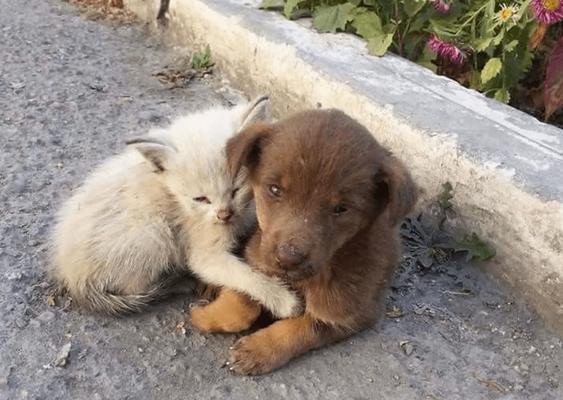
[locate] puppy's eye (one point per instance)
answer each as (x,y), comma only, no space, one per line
(234,192)
(340,209)
(202,199)
(275,190)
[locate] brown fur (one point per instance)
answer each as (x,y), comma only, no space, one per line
(340,261)
(230,312)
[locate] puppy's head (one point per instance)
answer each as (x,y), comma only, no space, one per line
(319,178)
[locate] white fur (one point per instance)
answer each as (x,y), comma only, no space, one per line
(135,219)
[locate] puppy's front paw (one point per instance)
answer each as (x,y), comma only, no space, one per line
(202,320)
(252,355)
(225,315)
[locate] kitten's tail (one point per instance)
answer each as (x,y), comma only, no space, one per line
(98,299)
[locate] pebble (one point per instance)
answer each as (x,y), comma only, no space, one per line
(34,323)
(46,316)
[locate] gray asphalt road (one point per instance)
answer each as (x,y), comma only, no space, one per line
(71,91)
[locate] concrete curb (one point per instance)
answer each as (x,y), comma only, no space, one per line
(505,166)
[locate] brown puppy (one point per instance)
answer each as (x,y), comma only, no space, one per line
(328,200)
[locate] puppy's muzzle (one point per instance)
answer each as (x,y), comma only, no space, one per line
(293,261)
(289,256)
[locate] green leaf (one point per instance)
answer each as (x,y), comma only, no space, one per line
(475,80)
(491,69)
(475,248)
(367,25)
(502,95)
(498,38)
(378,45)
(446,195)
(511,46)
(426,59)
(272,5)
(482,44)
(428,64)
(290,6)
(412,7)
(332,18)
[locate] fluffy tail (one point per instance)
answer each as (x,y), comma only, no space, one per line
(98,299)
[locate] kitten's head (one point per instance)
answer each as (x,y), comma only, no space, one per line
(190,158)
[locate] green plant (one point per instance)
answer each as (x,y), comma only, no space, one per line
(484,44)
(201,60)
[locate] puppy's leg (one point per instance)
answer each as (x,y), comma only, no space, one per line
(272,347)
(230,312)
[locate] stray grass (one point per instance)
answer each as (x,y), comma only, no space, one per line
(202,60)
(181,73)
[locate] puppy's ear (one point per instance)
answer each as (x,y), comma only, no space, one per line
(157,152)
(257,110)
(244,149)
(395,189)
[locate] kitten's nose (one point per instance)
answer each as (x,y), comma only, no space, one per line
(225,215)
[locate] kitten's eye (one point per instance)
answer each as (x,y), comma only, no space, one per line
(340,209)
(202,199)
(275,190)
(233,194)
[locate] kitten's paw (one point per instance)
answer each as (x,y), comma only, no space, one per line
(288,305)
(253,355)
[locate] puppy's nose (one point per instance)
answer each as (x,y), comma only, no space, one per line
(225,215)
(288,255)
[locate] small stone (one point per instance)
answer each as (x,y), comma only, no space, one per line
(282,390)
(21,323)
(34,323)
(83,354)
(407,347)
(62,357)
(46,316)
(14,276)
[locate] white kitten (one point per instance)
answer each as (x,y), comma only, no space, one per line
(168,201)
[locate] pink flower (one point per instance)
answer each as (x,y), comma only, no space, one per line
(441,6)
(446,50)
(547,11)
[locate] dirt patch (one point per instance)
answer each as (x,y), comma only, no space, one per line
(104,9)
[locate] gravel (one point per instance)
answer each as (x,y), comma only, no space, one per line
(71,91)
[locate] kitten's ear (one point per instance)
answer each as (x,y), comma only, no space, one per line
(157,152)
(244,149)
(395,189)
(258,110)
